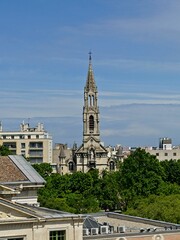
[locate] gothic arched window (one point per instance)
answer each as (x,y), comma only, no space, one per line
(92,100)
(91,123)
(89,100)
(71,166)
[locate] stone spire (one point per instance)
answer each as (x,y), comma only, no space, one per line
(91,154)
(91,109)
(90,83)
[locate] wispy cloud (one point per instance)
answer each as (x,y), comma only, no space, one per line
(133,129)
(150,28)
(44,103)
(70,102)
(145,65)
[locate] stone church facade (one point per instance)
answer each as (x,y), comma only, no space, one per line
(91,154)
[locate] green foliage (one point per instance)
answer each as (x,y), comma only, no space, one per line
(82,204)
(110,195)
(141,175)
(166,188)
(80,182)
(142,186)
(82,192)
(44,169)
(4,151)
(56,203)
(172,171)
(164,208)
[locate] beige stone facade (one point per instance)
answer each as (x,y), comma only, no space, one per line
(35,144)
(23,222)
(164,154)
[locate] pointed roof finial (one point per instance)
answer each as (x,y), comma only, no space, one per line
(90,53)
(90,83)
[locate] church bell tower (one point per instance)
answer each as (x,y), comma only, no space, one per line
(91,154)
(90,109)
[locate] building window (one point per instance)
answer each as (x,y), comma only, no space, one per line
(89,100)
(35,153)
(91,123)
(166,154)
(157,154)
(37,136)
(10,145)
(92,100)
(111,166)
(22,145)
(71,166)
(174,154)
(23,153)
(57,235)
(36,144)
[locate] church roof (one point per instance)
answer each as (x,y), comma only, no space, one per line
(90,83)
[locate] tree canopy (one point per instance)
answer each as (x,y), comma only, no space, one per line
(4,151)
(164,208)
(44,169)
(141,184)
(141,175)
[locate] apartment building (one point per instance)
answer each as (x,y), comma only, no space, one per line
(165,151)
(35,144)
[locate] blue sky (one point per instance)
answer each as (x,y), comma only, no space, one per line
(135,46)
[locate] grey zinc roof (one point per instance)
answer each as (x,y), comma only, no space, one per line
(50,213)
(27,169)
(90,222)
(37,212)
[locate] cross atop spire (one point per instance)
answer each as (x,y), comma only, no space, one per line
(90,53)
(90,83)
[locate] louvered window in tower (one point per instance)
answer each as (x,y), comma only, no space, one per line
(92,100)
(89,100)
(91,123)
